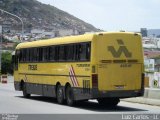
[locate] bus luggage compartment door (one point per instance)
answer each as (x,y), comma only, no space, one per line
(122,76)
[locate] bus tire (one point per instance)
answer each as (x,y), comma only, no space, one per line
(60,94)
(24,90)
(108,102)
(69,96)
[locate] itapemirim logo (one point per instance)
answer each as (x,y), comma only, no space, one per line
(122,49)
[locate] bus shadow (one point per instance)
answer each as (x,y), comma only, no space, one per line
(96,107)
(87,105)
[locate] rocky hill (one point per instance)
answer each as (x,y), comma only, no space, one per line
(42,16)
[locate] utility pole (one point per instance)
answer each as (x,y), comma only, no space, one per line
(3,11)
(0,46)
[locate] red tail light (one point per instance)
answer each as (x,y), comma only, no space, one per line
(94,81)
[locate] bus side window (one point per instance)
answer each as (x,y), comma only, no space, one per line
(22,51)
(56,56)
(35,54)
(77,52)
(20,56)
(84,52)
(52,53)
(88,51)
(70,56)
(25,55)
(65,52)
(45,54)
(40,52)
(49,49)
(31,54)
(61,53)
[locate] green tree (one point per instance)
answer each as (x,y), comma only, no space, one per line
(6,63)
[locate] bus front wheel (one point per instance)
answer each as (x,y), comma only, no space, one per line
(24,90)
(69,96)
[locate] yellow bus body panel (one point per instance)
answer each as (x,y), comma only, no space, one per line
(51,73)
(121,67)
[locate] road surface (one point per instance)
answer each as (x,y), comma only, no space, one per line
(11,101)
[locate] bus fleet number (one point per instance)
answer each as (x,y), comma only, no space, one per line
(32,67)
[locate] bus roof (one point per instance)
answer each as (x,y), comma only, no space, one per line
(64,40)
(55,41)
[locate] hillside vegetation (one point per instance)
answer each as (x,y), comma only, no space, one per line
(38,15)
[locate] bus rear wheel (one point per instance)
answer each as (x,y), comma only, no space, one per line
(69,96)
(60,94)
(24,90)
(108,102)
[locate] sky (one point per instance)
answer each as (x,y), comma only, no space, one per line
(113,15)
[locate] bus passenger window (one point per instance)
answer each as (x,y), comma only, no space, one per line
(35,54)
(88,51)
(52,53)
(31,54)
(20,57)
(24,55)
(62,53)
(83,52)
(77,52)
(70,53)
(27,55)
(40,52)
(56,56)
(45,54)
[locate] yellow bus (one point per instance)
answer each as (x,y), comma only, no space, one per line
(105,66)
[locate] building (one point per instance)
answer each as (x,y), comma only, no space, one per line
(6,26)
(37,31)
(144,32)
(151,42)
(67,32)
(151,54)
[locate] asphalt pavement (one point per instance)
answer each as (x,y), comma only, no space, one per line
(13,106)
